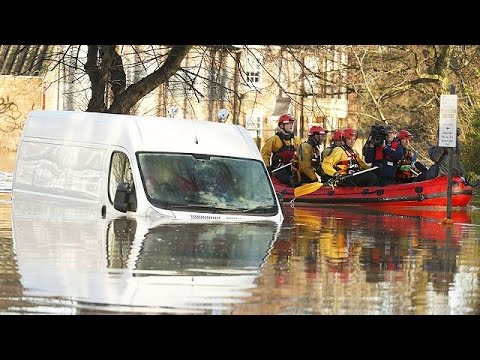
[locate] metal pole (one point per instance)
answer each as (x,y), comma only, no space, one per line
(449,172)
(449,186)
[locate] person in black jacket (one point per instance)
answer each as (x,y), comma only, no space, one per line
(391,154)
(439,155)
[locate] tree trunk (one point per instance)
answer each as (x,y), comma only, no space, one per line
(128,98)
(97,101)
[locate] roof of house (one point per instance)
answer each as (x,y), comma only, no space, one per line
(24,60)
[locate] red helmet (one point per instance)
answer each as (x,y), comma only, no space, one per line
(285,118)
(404,134)
(337,135)
(350,133)
(316,130)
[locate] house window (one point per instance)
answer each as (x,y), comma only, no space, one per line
(253,76)
(181,84)
(253,69)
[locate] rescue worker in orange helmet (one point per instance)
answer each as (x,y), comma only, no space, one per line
(279,149)
(306,161)
(344,160)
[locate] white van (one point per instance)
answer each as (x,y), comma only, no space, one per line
(156,167)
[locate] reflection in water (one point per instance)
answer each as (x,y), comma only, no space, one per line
(357,261)
(6,182)
(203,248)
(321,261)
(222,248)
(122,265)
(10,286)
(190,248)
(120,237)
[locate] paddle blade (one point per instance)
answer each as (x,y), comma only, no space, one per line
(306,189)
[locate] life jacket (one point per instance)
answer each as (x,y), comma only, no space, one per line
(348,166)
(285,154)
(394,146)
(372,154)
(408,157)
(404,175)
(297,156)
(316,161)
(295,166)
(326,152)
(378,153)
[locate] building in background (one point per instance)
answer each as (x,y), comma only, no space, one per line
(256,84)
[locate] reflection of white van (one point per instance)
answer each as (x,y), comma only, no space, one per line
(82,265)
(148,166)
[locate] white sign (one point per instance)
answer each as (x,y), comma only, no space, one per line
(448,121)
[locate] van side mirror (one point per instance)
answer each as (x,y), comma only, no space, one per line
(125,198)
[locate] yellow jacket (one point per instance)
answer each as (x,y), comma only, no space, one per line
(327,151)
(305,154)
(272,145)
(335,159)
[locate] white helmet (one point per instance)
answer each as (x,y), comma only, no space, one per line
(223,115)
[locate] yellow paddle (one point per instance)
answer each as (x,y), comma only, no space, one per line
(306,189)
(311,187)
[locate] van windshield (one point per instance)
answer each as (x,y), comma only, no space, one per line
(206,183)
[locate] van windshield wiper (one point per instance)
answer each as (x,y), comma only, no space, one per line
(203,206)
(258,208)
(223,208)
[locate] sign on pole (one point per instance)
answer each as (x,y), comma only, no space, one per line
(448,121)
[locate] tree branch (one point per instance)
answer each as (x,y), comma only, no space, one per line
(128,98)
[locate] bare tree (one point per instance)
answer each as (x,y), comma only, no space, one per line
(105,69)
(403,84)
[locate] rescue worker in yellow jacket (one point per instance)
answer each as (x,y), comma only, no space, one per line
(335,140)
(344,160)
(306,161)
(279,149)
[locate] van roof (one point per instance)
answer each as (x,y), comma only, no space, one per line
(142,133)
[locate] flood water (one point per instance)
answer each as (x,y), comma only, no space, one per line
(318,261)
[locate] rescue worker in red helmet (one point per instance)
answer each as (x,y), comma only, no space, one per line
(407,164)
(344,160)
(335,140)
(391,154)
(306,161)
(279,149)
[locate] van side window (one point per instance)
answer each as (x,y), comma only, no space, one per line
(120,172)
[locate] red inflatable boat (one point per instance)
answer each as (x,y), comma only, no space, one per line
(431,192)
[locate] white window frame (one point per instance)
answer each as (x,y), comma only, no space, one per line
(253,69)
